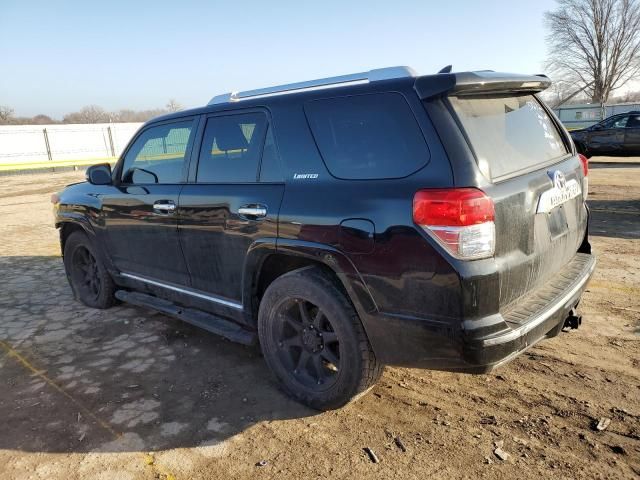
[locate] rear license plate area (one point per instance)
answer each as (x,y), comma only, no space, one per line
(558,222)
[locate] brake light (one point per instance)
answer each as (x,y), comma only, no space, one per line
(585,180)
(460,219)
(585,164)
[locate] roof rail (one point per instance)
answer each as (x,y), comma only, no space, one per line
(354,78)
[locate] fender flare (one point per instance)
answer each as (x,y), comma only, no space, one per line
(326,255)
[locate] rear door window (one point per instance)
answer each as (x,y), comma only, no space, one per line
(508,133)
(634,121)
(371,136)
(231,148)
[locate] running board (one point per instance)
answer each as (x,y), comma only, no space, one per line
(204,320)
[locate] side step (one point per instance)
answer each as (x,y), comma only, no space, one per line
(207,321)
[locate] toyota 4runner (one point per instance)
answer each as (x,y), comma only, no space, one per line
(380,218)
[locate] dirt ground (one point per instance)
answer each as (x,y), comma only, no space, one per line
(128,394)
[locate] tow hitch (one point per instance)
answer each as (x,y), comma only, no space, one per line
(573,321)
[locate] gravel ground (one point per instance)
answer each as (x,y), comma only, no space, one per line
(129,394)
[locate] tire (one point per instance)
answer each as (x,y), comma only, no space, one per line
(90,282)
(313,341)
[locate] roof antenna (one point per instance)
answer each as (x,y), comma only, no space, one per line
(446,69)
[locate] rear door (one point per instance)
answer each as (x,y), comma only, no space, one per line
(536,185)
(231,201)
(632,135)
(140,213)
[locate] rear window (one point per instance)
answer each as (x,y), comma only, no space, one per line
(508,133)
(367,136)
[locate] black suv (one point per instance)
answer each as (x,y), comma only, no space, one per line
(347,223)
(616,135)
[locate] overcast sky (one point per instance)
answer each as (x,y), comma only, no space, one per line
(57,56)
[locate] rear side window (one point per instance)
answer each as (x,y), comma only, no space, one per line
(634,121)
(231,148)
(367,136)
(508,133)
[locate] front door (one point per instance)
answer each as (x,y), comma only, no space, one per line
(609,137)
(140,214)
(231,201)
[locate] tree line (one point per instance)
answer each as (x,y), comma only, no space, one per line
(88,114)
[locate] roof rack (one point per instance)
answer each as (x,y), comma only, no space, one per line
(342,80)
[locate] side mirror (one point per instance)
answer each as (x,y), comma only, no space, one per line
(99,174)
(597,126)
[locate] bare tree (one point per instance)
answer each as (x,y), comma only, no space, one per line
(6,114)
(595,44)
(42,119)
(173,105)
(89,114)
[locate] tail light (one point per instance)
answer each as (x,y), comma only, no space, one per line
(460,219)
(585,164)
(585,180)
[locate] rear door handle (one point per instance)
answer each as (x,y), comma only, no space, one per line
(253,211)
(164,207)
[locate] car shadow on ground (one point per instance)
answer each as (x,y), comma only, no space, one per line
(77,379)
(614,218)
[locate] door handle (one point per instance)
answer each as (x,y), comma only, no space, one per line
(164,206)
(256,211)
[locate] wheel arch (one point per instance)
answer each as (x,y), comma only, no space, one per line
(266,262)
(69,225)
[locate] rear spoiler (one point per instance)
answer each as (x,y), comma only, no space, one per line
(478,83)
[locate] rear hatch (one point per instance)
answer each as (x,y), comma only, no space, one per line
(520,156)
(535,182)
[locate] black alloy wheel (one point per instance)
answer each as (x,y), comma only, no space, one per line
(85,274)
(313,340)
(309,346)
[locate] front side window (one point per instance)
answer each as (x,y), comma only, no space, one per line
(231,148)
(617,122)
(509,133)
(372,136)
(158,154)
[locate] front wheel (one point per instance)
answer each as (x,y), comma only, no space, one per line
(314,342)
(88,277)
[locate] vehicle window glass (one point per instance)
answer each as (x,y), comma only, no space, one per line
(508,133)
(231,148)
(634,121)
(367,136)
(616,122)
(270,170)
(158,154)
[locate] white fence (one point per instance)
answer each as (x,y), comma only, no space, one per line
(21,145)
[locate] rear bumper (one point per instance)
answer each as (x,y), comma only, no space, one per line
(538,316)
(439,345)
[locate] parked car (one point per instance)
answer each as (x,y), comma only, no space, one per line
(616,135)
(348,223)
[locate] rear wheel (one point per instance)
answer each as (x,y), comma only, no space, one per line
(88,277)
(314,342)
